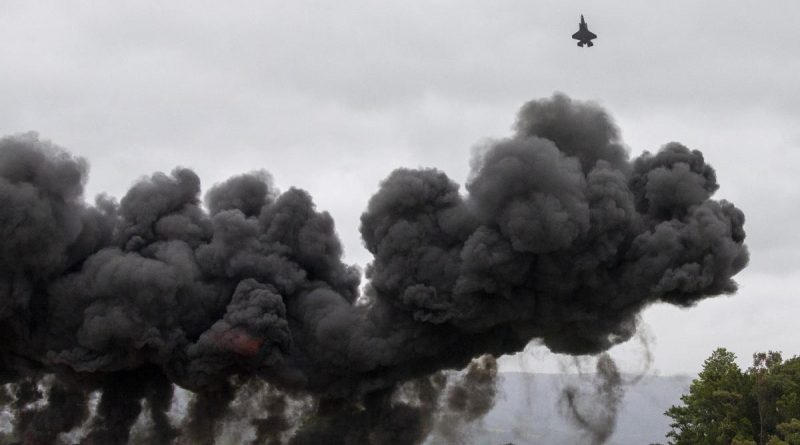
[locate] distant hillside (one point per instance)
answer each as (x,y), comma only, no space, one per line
(527,411)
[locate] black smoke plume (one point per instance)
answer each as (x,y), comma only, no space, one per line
(559,237)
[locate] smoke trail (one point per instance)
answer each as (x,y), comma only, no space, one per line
(205,413)
(597,413)
(468,399)
(559,237)
(66,408)
(270,430)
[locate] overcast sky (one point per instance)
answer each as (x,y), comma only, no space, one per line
(330,96)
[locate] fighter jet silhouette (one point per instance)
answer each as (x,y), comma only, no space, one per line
(584,36)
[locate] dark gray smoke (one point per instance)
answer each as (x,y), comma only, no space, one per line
(559,237)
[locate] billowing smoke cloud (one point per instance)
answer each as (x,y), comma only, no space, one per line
(559,237)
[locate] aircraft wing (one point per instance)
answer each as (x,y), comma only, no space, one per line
(584,35)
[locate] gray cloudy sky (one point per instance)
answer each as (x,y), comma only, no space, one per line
(331,96)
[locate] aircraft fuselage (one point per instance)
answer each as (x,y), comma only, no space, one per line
(584,36)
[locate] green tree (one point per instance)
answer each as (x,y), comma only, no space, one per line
(790,432)
(726,406)
(714,411)
(767,389)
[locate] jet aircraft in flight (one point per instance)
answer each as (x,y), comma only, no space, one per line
(584,36)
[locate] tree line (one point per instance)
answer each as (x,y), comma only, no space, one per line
(726,405)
